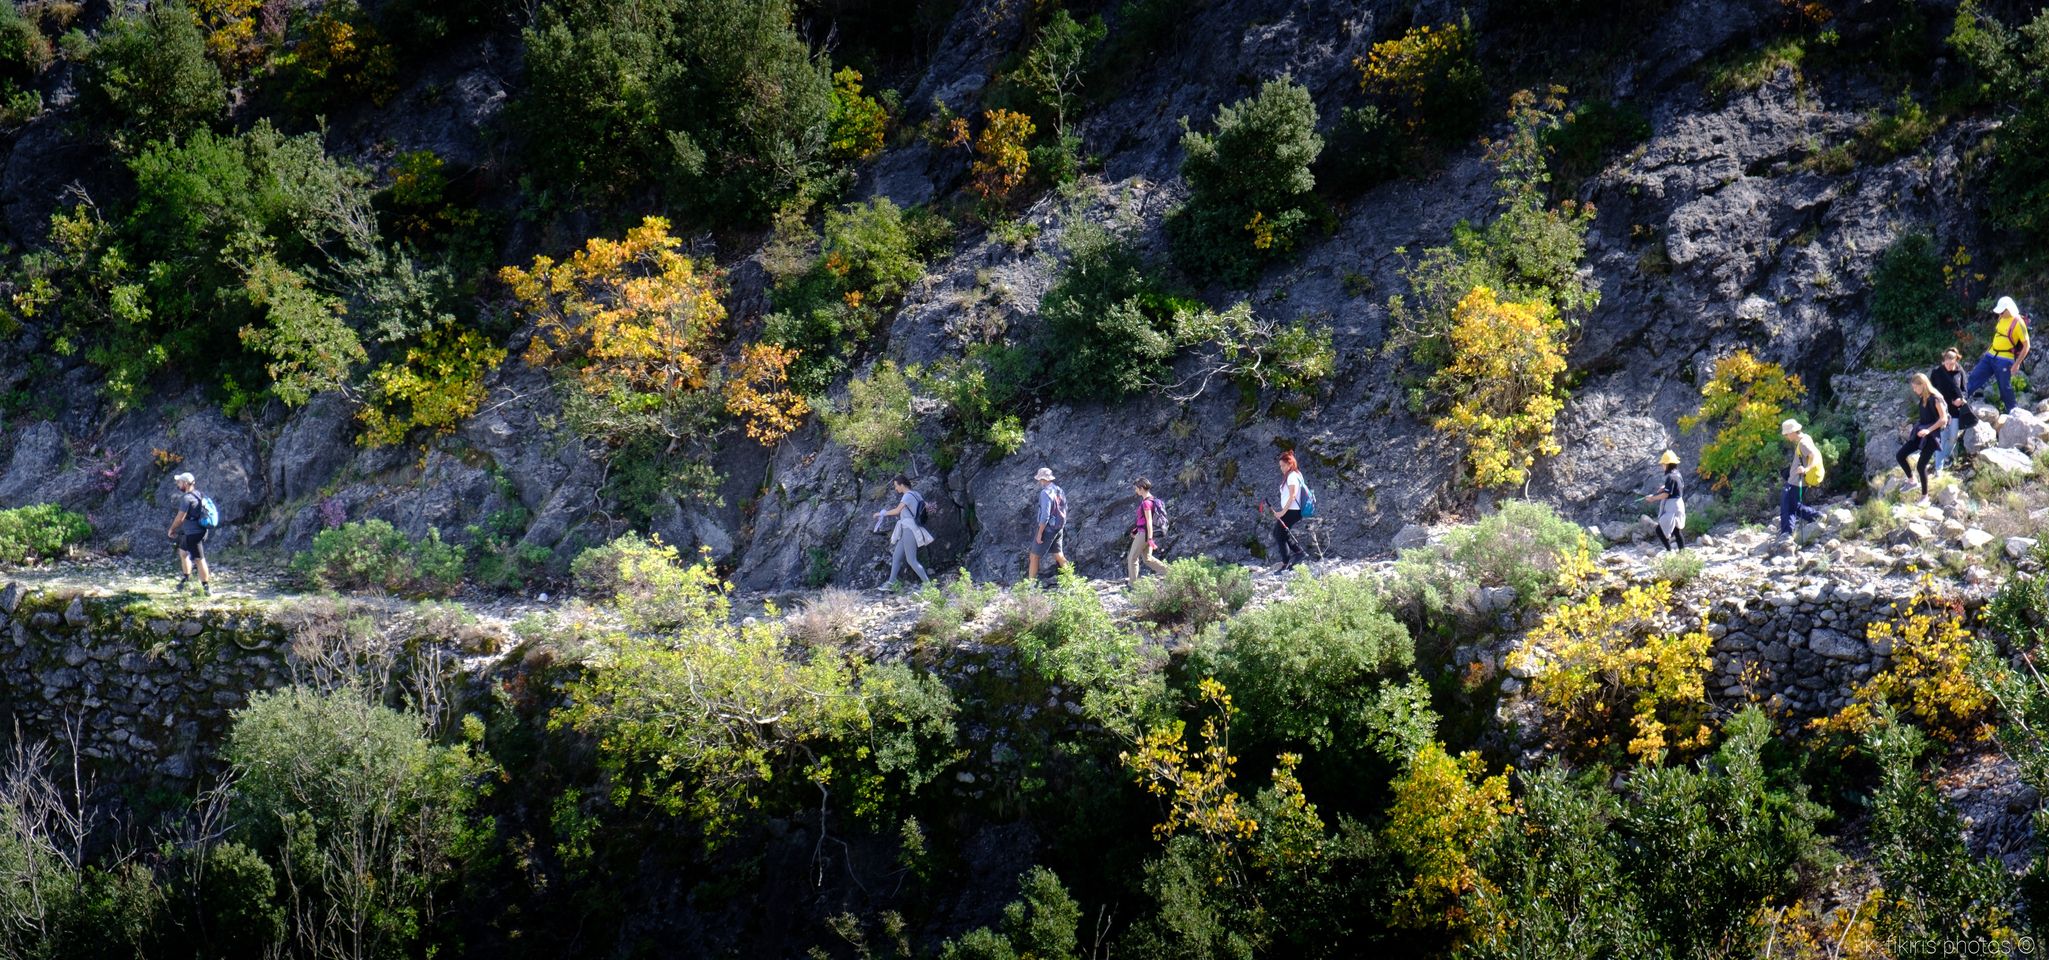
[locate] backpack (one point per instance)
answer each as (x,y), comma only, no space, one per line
(922,513)
(209,515)
(1308,501)
(1059,518)
(1159,512)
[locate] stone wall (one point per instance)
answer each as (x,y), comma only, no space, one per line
(142,690)
(1804,645)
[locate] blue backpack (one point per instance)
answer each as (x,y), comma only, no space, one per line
(1308,501)
(209,515)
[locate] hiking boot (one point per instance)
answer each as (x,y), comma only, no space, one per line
(206,588)
(184,584)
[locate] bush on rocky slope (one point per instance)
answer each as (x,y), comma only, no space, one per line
(39,532)
(1249,184)
(373,556)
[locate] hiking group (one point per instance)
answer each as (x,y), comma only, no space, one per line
(1047,545)
(1942,396)
(1942,400)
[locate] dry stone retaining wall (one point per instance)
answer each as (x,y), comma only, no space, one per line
(139,690)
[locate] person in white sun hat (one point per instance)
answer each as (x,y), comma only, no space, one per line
(1049,528)
(1804,470)
(2009,350)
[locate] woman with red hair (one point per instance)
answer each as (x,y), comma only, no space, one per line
(1289,511)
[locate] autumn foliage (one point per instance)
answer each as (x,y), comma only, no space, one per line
(1001,160)
(1744,400)
(1506,361)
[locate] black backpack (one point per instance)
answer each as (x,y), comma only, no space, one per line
(922,512)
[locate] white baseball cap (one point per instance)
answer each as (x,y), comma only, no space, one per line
(2007,306)
(1045,473)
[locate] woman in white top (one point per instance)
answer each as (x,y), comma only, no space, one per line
(1289,512)
(908,535)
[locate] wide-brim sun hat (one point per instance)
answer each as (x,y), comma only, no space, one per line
(1045,473)
(2007,306)
(1668,459)
(1789,428)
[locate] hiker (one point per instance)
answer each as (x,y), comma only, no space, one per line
(2009,350)
(1049,531)
(1804,470)
(1948,378)
(1671,500)
(1926,433)
(1289,511)
(1145,528)
(909,534)
(196,516)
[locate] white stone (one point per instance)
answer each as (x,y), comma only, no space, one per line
(1974,538)
(2020,429)
(2006,460)
(2018,547)
(1980,437)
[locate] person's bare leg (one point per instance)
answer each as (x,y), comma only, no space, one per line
(204,575)
(185,563)
(1031,566)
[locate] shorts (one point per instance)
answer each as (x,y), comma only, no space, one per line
(1055,543)
(193,544)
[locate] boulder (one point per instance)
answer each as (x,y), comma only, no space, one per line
(2018,548)
(1411,536)
(1980,437)
(1618,531)
(2021,429)
(1975,538)
(1834,644)
(2006,460)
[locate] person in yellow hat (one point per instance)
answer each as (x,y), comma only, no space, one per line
(1671,501)
(2009,351)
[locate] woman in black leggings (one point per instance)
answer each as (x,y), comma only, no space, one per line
(1927,431)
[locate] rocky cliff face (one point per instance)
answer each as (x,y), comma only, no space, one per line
(1711,235)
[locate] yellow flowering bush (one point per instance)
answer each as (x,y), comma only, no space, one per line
(1609,671)
(758,393)
(1446,811)
(1929,678)
(437,385)
(631,325)
(1001,160)
(1194,781)
(1506,361)
(1744,400)
(855,130)
(1428,76)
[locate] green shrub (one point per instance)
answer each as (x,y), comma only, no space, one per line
(1109,328)
(1365,148)
(1525,546)
(1310,670)
(39,531)
(1917,843)
(147,77)
(1054,70)
(1678,568)
(877,422)
(1591,135)
(1194,593)
(1911,302)
(719,104)
(1429,79)
(648,583)
(723,722)
(24,51)
(372,556)
(1249,184)
(2013,66)
(1076,645)
(1530,252)
(1043,925)
(869,255)
(366,818)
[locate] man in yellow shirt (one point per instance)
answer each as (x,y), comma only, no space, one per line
(2009,351)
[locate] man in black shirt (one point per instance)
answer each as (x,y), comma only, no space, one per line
(1948,378)
(188,530)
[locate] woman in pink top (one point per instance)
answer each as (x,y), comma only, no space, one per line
(1144,530)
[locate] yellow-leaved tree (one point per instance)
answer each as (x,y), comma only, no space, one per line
(633,331)
(1620,675)
(1744,401)
(1446,812)
(1503,374)
(631,326)
(1001,160)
